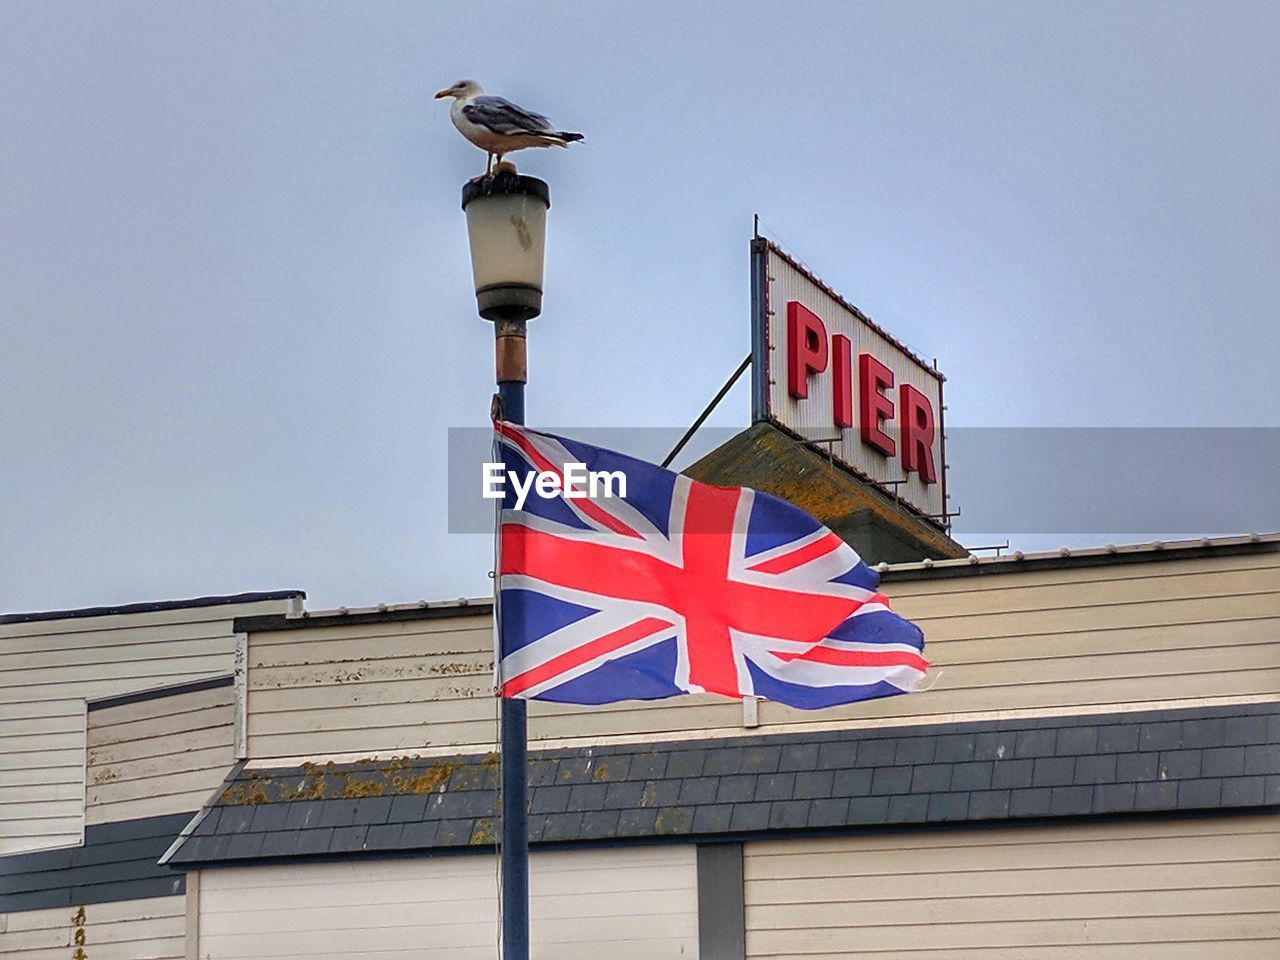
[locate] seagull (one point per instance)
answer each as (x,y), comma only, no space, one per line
(497,126)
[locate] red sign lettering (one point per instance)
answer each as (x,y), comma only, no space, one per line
(806,348)
(808,355)
(842,380)
(874,407)
(916,427)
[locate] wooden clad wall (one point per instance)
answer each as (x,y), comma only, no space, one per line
(159,756)
(622,903)
(408,685)
(336,689)
(1088,639)
(128,930)
(1049,641)
(1178,889)
(49,668)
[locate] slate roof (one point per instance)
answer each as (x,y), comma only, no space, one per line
(1197,759)
(116,862)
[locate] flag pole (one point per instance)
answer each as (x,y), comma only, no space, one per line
(511,377)
(506,228)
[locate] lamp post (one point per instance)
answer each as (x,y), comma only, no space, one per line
(506,226)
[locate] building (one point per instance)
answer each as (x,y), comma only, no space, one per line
(1095,772)
(83,814)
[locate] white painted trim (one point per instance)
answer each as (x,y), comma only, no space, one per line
(199,818)
(193,916)
(72,845)
(84,772)
(242,696)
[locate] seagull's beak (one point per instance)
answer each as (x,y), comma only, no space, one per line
(442,93)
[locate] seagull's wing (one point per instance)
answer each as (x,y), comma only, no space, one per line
(503,116)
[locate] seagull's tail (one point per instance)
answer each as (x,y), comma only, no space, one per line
(567,137)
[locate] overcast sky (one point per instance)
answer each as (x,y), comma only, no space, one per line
(236,318)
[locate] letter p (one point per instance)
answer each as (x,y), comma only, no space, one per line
(806,348)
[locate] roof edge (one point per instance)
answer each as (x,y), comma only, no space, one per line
(1066,558)
(159,693)
(382,613)
(153,607)
(795,262)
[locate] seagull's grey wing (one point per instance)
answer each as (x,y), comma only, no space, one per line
(503,116)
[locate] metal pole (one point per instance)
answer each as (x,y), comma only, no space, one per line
(707,412)
(511,369)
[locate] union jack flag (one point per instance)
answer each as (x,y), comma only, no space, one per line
(681,587)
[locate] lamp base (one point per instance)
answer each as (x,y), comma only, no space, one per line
(509,302)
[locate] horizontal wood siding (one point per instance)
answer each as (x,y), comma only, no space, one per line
(1085,639)
(626,904)
(409,685)
(49,668)
(1181,888)
(1090,638)
(125,930)
(159,756)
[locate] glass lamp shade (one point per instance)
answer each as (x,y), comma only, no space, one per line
(507,227)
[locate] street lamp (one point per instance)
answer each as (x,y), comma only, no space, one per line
(507,228)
